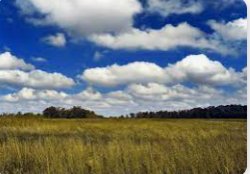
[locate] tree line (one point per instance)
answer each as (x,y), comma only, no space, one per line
(74,112)
(228,111)
(58,112)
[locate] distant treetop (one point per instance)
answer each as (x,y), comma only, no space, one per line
(228,111)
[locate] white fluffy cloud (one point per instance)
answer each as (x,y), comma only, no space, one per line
(166,38)
(9,61)
(201,70)
(57,40)
(89,94)
(148,87)
(168,7)
(119,99)
(110,24)
(35,79)
(233,30)
(222,40)
(117,75)
(178,97)
(82,17)
(198,69)
(15,72)
(156,92)
(32,94)
(119,95)
(134,98)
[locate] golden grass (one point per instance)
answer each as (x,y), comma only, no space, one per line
(109,146)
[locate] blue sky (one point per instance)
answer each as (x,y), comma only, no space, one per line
(117,57)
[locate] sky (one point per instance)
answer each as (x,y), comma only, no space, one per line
(121,56)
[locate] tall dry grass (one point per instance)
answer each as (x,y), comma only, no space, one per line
(37,146)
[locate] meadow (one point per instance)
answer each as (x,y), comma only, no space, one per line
(122,146)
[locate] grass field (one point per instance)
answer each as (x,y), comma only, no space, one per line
(109,146)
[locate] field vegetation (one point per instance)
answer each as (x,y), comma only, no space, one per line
(35,145)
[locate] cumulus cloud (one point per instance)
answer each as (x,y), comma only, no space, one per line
(32,94)
(235,30)
(82,17)
(119,99)
(202,70)
(89,94)
(167,38)
(168,7)
(155,92)
(148,87)
(57,40)
(178,97)
(119,95)
(15,72)
(88,98)
(9,61)
(117,75)
(134,98)
(35,79)
(198,69)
